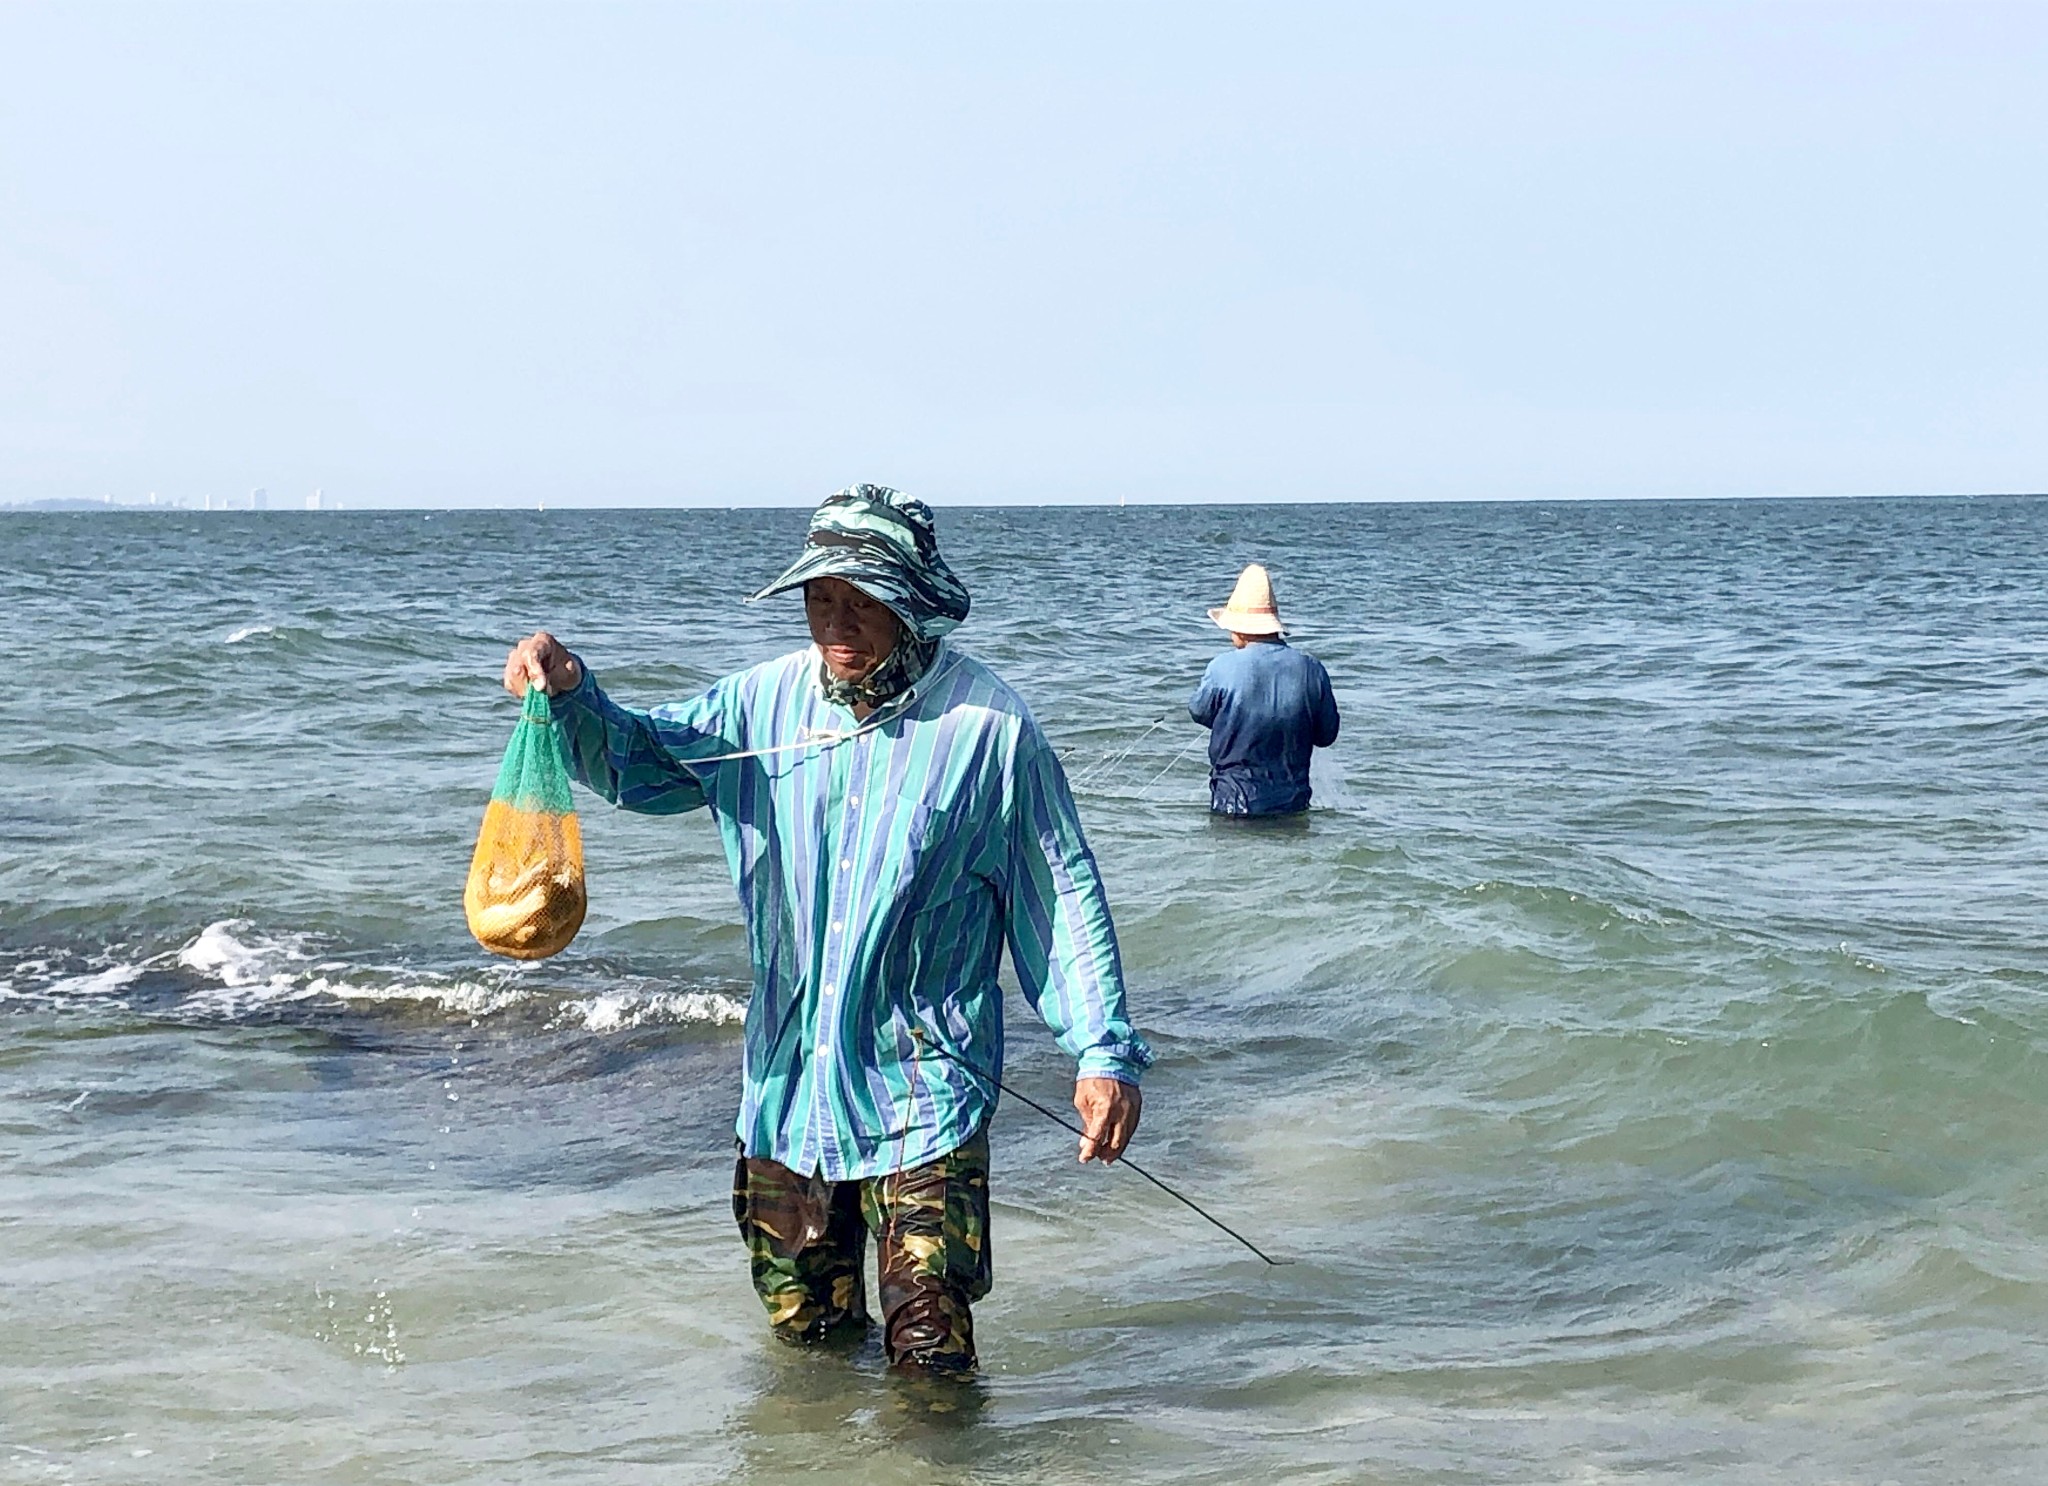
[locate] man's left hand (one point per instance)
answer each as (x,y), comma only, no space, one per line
(1109,1113)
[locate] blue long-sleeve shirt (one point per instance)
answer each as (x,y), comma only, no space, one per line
(880,878)
(1267,707)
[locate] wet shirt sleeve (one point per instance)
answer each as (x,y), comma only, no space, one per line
(641,760)
(1057,924)
(1207,698)
(1326,709)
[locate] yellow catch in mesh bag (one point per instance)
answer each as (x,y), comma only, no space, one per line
(525,897)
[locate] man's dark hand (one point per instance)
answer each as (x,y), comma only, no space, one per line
(1109,1113)
(541,660)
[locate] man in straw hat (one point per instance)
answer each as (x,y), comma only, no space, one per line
(1266,705)
(892,817)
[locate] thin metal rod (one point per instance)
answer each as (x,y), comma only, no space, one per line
(917,1034)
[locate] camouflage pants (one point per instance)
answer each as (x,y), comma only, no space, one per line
(806,1238)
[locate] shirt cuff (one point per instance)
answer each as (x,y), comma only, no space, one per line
(582,694)
(1125,1062)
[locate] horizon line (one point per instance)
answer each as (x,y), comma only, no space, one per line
(86,505)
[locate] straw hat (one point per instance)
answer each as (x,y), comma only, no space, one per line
(1251,610)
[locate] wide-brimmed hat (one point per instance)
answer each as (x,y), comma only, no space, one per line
(885,544)
(1251,610)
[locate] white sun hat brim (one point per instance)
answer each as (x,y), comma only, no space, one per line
(1248,622)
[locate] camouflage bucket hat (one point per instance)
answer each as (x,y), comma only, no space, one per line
(885,544)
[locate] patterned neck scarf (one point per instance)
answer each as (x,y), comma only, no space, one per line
(897,673)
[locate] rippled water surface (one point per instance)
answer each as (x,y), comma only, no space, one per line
(1639,1052)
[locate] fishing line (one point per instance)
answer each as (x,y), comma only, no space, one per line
(1190,748)
(814,737)
(1104,768)
(918,1035)
(1106,764)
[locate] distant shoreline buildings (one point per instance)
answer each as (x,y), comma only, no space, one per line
(256,500)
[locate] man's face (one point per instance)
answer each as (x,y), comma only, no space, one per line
(853,632)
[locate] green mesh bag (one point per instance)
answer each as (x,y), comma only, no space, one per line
(525,895)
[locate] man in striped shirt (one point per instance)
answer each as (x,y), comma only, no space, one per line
(893,817)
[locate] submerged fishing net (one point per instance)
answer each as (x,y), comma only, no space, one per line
(525,894)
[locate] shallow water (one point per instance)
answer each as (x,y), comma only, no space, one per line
(1639,1053)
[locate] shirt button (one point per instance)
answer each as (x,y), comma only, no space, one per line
(853,799)
(830,988)
(845,863)
(838,925)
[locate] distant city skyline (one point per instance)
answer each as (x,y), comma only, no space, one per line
(257,500)
(734,255)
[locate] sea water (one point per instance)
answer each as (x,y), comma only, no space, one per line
(1640,1053)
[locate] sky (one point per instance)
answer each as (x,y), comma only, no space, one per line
(591,254)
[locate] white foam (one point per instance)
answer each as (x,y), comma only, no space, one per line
(253,969)
(243,969)
(251,632)
(620,1011)
(102,983)
(467,998)
(27,983)
(238,962)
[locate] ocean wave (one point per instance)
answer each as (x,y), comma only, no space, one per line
(233,971)
(620,1011)
(223,952)
(473,999)
(38,981)
(250,632)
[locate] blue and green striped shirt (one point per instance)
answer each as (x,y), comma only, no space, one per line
(880,877)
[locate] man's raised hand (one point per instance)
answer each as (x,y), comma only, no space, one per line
(541,660)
